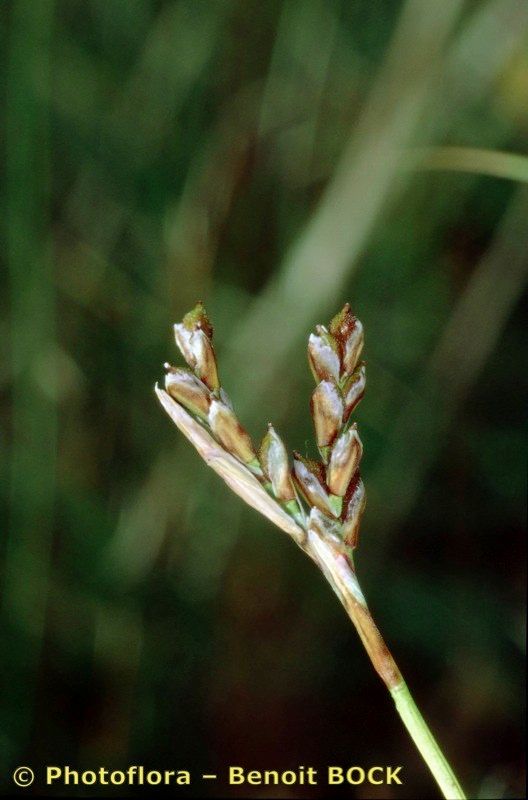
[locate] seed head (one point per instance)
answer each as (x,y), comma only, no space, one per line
(344,460)
(333,489)
(230,432)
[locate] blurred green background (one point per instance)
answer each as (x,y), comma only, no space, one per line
(273,159)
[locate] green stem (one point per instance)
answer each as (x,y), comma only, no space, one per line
(426,743)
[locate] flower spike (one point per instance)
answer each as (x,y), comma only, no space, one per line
(328,530)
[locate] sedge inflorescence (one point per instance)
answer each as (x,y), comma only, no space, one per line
(331,486)
(318,502)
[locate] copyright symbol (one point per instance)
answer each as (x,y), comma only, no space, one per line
(23,776)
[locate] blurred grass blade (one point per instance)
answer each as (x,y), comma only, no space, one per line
(512,166)
(327,249)
(467,341)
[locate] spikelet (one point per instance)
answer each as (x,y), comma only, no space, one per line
(274,462)
(331,488)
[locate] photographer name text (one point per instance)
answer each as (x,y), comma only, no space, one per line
(137,775)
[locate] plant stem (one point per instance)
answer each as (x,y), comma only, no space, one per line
(426,743)
(336,565)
